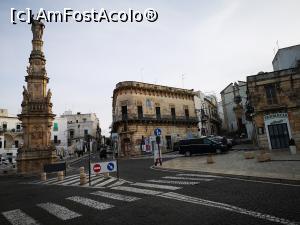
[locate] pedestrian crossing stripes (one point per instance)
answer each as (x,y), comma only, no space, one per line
(90,203)
(18,217)
(167,187)
(173,182)
(112,179)
(115,196)
(59,211)
(136,190)
(97,181)
(69,211)
(187,178)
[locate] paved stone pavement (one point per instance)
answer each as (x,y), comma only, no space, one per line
(283,165)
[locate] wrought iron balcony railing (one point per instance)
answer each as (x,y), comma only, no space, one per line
(154,118)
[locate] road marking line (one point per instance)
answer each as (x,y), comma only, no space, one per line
(187,178)
(199,201)
(115,196)
(136,190)
(173,182)
(118,183)
(110,180)
(90,202)
(167,187)
(67,180)
(197,175)
(18,217)
(45,182)
(94,180)
(59,211)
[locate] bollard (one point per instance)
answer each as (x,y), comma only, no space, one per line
(249,155)
(83,179)
(264,157)
(81,169)
(43,176)
(210,159)
(106,175)
(60,175)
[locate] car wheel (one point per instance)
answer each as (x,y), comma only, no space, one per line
(218,151)
(187,153)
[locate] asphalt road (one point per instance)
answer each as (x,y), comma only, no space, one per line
(147,196)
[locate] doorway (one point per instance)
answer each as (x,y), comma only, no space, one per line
(279,136)
(169,142)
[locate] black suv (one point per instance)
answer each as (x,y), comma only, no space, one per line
(200,145)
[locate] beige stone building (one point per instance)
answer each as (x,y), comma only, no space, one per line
(140,108)
(275,98)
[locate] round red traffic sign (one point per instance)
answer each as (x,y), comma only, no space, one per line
(97,168)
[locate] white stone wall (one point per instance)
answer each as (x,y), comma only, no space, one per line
(81,122)
(61,133)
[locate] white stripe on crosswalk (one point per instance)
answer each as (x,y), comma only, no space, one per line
(174,182)
(115,196)
(136,190)
(18,217)
(224,206)
(110,180)
(197,175)
(187,178)
(45,182)
(59,211)
(118,183)
(94,181)
(67,180)
(90,202)
(167,187)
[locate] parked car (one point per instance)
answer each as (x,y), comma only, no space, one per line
(189,147)
(221,140)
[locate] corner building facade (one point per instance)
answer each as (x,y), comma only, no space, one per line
(140,108)
(275,97)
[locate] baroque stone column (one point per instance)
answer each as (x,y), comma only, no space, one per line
(37,117)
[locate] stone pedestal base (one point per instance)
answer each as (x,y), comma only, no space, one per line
(32,162)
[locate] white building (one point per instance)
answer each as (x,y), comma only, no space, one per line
(234,98)
(286,58)
(79,125)
(11,136)
(206,107)
(59,135)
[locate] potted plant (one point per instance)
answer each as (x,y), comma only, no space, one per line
(292,146)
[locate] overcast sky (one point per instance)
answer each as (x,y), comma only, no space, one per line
(213,43)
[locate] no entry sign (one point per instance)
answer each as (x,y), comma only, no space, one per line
(97,167)
(104,167)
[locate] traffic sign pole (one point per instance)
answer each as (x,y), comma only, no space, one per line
(117,168)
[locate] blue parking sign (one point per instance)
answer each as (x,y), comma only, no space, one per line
(157,132)
(110,166)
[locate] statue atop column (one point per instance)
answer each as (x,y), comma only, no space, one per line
(37,28)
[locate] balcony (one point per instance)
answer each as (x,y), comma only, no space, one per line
(153,119)
(5,130)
